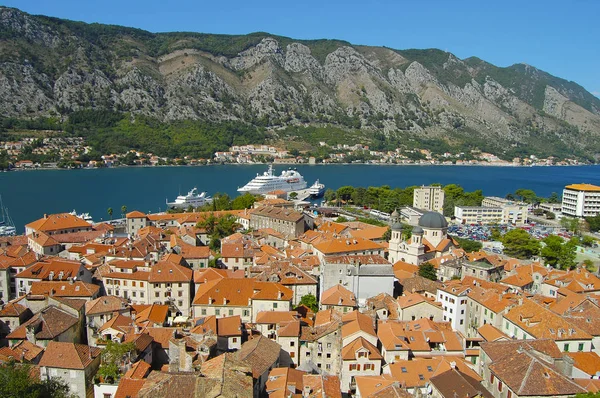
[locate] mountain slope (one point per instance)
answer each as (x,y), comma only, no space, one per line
(53,67)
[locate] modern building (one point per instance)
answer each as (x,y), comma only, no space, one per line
(581,200)
(478,215)
(514,213)
(429,198)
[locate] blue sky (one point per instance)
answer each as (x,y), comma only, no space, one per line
(556,36)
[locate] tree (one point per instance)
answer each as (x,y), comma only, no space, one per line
(527,195)
(341,219)
(427,270)
(387,235)
(551,252)
(550,215)
(568,254)
(469,245)
(112,356)
(310,301)
(593,223)
(518,243)
(570,224)
(589,265)
(553,198)
(16,382)
(496,234)
(244,201)
(218,228)
(587,241)
(110,212)
(345,193)
(293,195)
(123,210)
(329,195)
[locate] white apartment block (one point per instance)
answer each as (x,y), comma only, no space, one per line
(454,304)
(581,200)
(429,198)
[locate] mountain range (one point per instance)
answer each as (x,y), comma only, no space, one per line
(52,67)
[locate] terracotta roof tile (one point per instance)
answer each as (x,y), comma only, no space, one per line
(338,295)
(55,222)
(260,353)
(64,289)
(68,355)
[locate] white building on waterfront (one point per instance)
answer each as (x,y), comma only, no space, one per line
(581,200)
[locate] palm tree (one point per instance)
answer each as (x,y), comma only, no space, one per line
(123,210)
(110,212)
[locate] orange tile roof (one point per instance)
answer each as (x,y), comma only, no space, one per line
(338,295)
(56,266)
(64,289)
(129,388)
(357,322)
(418,371)
(150,314)
(68,355)
(403,270)
(138,370)
(350,245)
(275,317)
(229,326)
(105,304)
(491,333)
(283,381)
(542,323)
(163,271)
(589,362)
(135,214)
(349,350)
(238,294)
(56,222)
(583,187)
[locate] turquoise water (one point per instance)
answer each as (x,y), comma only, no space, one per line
(30,194)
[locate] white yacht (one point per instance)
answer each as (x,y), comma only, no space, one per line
(193,198)
(288,181)
(7,227)
(316,190)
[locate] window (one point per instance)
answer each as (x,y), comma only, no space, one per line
(566,347)
(491,378)
(403,369)
(292,343)
(142,294)
(246,312)
(134,294)
(328,355)
(369,366)
(462,321)
(203,311)
(156,294)
(580,347)
(292,354)
(499,386)
(421,377)
(73,374)
(217,311)
(429,369)
(274,305)
(307,353)
(133,283)
(234,339)
(180,293)
(141,284)
(362,354)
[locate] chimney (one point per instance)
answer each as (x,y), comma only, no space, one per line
(45,216)
(51,275)
(453,365)
(279,295)
(224,301)
(71,281)
(306,392)
(249,300)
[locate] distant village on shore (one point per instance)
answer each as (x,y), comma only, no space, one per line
(73,152)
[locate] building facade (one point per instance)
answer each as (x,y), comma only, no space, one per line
(581,200)
(429,198)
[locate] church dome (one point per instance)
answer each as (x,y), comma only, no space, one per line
(417,230)
(433,220)
(397,226)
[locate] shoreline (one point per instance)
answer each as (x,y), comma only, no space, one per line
(304,164)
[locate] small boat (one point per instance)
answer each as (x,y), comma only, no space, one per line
(193,198)
(83,216)
(316,190)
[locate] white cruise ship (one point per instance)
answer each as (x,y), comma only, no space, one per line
(193,198)
(288,181)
